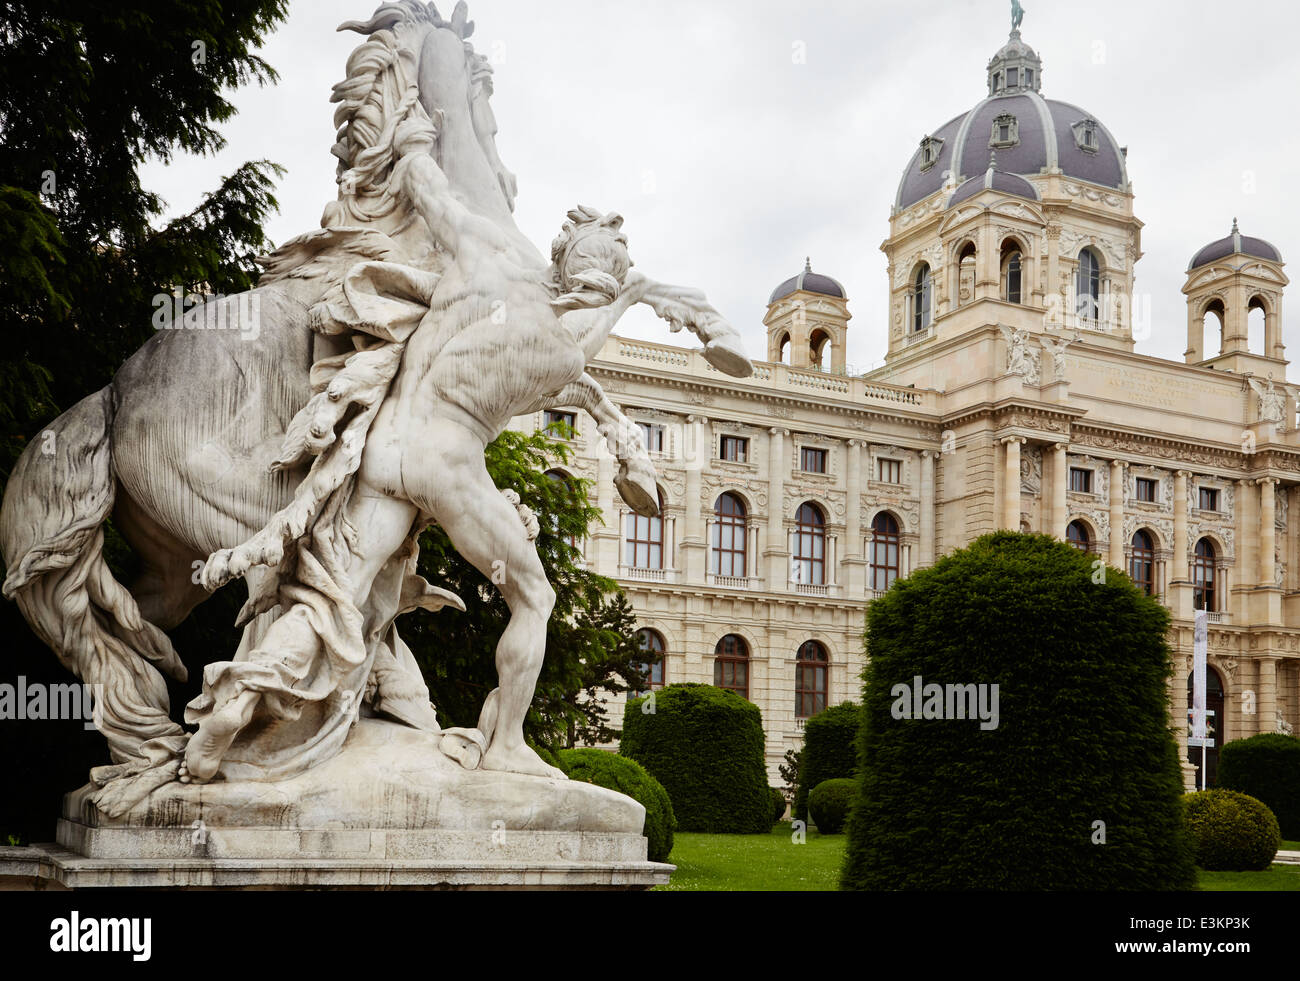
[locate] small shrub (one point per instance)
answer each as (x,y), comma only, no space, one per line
(1231,831)
(779,804)
(604,769)
(830,802)
(1266,767)
(705,745)
(830,750)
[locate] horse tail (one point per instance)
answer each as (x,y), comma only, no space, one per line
(52,535)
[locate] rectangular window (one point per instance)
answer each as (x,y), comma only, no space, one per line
(1146,490)
(558,420)
(890,471)
(812,460)
(1209,499)
(1080,481)
(1013,76)
(653,436)
(734,449)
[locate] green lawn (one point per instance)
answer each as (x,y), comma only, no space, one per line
(773,862)
(1290,846)
(756,863)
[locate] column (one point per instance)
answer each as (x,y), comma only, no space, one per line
(1267,532)
(929,547)
(777,546)
(1055,303)
(1117,542)
(853,513)
(694,546)
(1011,483)
(1060,486)
(1267,695)
(1178,569)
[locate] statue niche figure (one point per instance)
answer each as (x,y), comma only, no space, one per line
(308,455)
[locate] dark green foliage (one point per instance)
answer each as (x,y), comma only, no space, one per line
(1083,736)
(779,804)
(829,804)
(830,750)
(591,642)
(1266,767)
(789,770)
(1231,831)
(628,777)
(88,92)
(705,745)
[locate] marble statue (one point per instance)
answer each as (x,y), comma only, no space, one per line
(1272,401)
(1057,350)
(1021,360)
(308,451)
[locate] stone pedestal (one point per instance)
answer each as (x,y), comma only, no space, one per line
(389,812)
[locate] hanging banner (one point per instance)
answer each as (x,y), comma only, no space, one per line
(1200,646)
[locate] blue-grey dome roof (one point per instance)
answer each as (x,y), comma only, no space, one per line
(1046,134)
(1235,244)
(997,180)
(811,282)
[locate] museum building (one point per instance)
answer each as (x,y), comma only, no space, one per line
(1011,397)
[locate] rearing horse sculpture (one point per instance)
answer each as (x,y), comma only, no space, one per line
(308,448)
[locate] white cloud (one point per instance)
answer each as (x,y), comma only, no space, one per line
(731,161)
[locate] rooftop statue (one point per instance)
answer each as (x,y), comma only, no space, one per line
(307,455)
(1017,15)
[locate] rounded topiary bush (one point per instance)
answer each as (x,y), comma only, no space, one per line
(1267,767)
(779,804)
(705,745)
(830,750)
(1231,831)
(830,802)
(1056,768)
(605,769)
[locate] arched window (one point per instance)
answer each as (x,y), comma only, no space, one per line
(1142,566)
(562,478)
(1077,535)
(819,350)
(1012,272)
(1204,594)
(885,547)
(812,668)
(643,540)
(1256,321)
(810,546)
(1213,321)
(922,299)
(652,642)
(731,665)
(966,262)
(1087,287)
(729,538)
(784,349)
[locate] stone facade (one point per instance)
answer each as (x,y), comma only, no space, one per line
(1012,397)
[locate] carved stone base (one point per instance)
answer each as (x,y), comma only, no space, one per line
(389,812)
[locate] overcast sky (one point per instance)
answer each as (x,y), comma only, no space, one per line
(731,161)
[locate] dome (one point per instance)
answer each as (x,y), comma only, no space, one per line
(809,281)
(1235,244)
(996,180)
(1031,135)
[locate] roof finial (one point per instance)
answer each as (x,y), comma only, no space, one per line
(1235,229)
(1017,16)
(807,266)
(993,158)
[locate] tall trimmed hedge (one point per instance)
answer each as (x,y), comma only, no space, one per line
(830,751)
(1266,767)
(705,745)
(1079,785)
(605,769)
